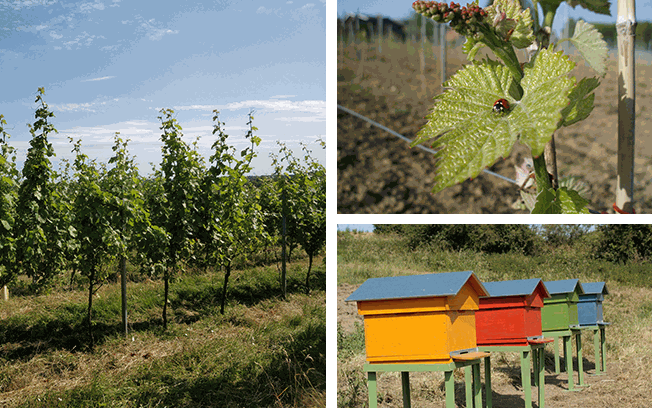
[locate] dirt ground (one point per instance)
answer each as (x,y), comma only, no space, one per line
(380,174)
(427,389)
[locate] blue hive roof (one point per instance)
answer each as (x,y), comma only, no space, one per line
(595,288)
(563,286)
(521,287)
(416,286)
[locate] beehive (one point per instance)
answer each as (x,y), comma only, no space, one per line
(589,308)
(511,314)
(560,310)
(419,318)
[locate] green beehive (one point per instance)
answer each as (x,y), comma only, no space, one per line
(560,310)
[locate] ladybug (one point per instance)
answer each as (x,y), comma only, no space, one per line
(501,106)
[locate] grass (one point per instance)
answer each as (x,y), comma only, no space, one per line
(264,351)
(628,307)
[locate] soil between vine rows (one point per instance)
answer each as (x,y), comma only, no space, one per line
(379,173)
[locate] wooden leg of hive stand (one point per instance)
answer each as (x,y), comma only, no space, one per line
(487,382)
(603,342)
(596,347)
(405,377)
(568,356)
(580,359)
(450,389)
(542,377)
(477,390)
(371,385)
(535,367)
(556,343)
(468,383)
(525,378)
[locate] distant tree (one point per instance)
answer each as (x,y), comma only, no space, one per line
(624,243)
(562,234)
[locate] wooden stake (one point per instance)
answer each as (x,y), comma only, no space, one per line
(5,293)
(626,27)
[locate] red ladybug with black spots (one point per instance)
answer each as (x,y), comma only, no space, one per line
(501,106)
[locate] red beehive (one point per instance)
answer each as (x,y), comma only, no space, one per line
(511,314)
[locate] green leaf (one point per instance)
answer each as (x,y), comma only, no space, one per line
(589,42)
(581,102)
(561,201)
(596,6)
(545,93)
(470,136)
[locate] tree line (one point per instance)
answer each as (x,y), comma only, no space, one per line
(617,243)
(189,212)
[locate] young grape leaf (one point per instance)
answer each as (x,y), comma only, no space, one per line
(546,87)
(581,102)
(560,201)
(596,6)
(470,135)
(589,42)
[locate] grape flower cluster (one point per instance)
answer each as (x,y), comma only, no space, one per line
(464,20)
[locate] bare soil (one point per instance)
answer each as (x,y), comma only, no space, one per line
(380,174)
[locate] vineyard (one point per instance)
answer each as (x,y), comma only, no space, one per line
(176,288)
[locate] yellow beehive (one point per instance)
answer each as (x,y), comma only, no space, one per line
(419,318)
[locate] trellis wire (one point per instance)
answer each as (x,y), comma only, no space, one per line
(400,136)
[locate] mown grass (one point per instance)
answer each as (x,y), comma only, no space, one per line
(264,351)
(628,307)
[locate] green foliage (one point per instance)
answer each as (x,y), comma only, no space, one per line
(624,243)
(494,238)
(230,214)
(8,196)
(41,237)
(470,136)
(302,186)
(560,201)
(181,169)
(589,42)
(562,234)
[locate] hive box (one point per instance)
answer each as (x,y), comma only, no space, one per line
(560,310)
(511,314)
(589,308)
(419,318)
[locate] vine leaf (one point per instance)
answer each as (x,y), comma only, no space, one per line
(469,135)
(590,43)
(560,201)
(581,102)
(596,6)
(546,87)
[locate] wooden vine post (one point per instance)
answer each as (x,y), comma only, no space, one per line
(626,27)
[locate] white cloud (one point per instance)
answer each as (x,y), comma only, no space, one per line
(263,10)
(98,79)
(40,27)
(272,105)
(88,7)
(153,32)
(318,118)
(84,39)
(55,35)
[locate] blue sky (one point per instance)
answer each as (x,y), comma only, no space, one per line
(111,65)
(402,9)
